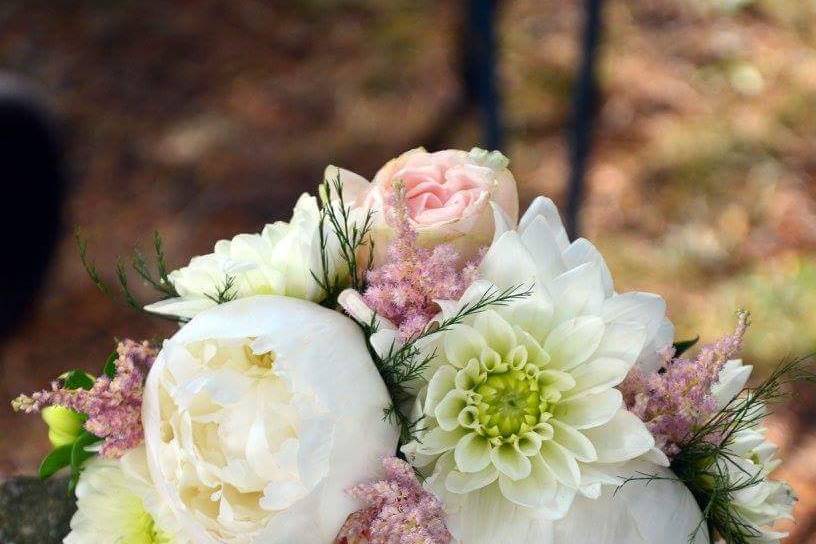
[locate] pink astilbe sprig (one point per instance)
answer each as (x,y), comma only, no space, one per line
(678,399)
(403,290)
(398,511)
(113,405)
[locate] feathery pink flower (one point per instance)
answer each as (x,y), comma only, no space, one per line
(403,290)
(677,399)
(113,406)
(398,511)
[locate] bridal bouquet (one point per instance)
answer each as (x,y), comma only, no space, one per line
(407,361)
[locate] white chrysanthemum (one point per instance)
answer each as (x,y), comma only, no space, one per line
(521,411)
(117,502)
(278,261)
(258,415)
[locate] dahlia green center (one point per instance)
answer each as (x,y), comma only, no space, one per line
(510,403)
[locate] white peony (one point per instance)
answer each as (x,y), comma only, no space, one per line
(521,411)
(117,502)
(278,261)
(643,511)
(258,415)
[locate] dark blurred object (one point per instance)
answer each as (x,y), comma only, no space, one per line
(32,168)
(584,103)
(479,47)
(34,511)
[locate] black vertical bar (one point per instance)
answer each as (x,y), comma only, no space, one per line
(584,106)
(481,51)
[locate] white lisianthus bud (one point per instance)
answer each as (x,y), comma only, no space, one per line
(278,261)
(258,415)
(448,194)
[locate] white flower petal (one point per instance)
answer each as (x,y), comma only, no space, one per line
(622,438)
(533,491)
(472,453)
(510,462)
(573,341)
(591,410)
(466,482)
(732,379)
(574,441)
(597,375)
(546,208)
(508,249)
(561,463)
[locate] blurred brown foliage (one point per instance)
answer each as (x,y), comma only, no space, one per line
(205,118)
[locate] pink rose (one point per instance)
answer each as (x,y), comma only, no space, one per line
(449,195)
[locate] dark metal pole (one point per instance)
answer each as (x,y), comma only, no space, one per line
(584,109)
(481,52)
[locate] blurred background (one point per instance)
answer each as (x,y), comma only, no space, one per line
(205,118)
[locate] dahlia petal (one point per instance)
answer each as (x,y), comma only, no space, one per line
(465,482)
(462,344)
(510,462)
(590,411)
(622,438)
(533,491)
(574,441)
(573,341)
(508,249)
(472,453)
(597,375)
(562,463)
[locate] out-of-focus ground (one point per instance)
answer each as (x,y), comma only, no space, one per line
(206,118)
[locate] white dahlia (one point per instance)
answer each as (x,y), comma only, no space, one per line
(278,261)
(259,414)
(521,411)
(117,502)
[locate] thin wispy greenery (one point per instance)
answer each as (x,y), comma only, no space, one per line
(403,367)
(154,275)
(704,460)
(352,236)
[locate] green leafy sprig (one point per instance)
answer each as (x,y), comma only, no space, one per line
(352,236)
(403,366)
(157,279)
(703,463)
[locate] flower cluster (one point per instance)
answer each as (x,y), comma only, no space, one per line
(113,405)
(680,397)
(491,368)
(406,287)
(398,511)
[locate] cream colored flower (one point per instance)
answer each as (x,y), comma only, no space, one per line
(278,261)
(258,415)
(448,194)
(117,503)
(521,411)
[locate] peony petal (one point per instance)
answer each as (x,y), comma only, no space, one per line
(573,341)
(622,438)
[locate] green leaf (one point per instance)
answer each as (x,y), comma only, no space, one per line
(684,345)
(110,365)
(54,461)
(79,455)
(77,379)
